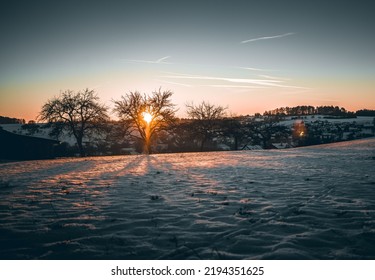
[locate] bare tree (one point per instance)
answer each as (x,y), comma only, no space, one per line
(78,113)
(233,128)
(149,114)
(206,117)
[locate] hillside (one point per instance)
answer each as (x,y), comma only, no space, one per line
(316,202)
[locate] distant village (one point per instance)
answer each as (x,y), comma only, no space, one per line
(277,129)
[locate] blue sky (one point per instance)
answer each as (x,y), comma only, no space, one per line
(251,56)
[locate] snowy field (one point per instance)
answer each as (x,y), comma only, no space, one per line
(316,202)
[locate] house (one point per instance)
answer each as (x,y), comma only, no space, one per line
(21,147)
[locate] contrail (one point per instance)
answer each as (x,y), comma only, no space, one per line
(260,82)
(161,59)
(158,61)
(266,38)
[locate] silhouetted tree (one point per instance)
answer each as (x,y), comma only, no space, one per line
(183,136)
(159,108)
(31,128)
(80,114)
(118,136)
(310,110)
(232,127)
(7,120)
(206,118)
(365,112)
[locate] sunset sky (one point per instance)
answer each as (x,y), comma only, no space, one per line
(251,56)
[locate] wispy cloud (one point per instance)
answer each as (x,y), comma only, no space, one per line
(274,77)
(255,69)
(161,60)
(267,38)
(236,86)
(158,61)
(237,81)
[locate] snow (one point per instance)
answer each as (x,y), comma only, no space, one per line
(42,132)
(316,202)
(361,120)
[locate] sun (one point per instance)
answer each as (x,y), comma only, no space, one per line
(147,117)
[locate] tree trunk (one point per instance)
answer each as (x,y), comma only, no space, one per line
(202,144)
(235,143)
(80,147)
(147,145)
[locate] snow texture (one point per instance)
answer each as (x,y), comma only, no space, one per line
(316,202)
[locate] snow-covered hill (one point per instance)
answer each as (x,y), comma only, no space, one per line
(307,203)
(40,132)
(290,120)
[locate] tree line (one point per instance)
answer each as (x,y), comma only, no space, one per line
(145,120)
(7,120)
(311,110)
(366,113)
(82,116)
